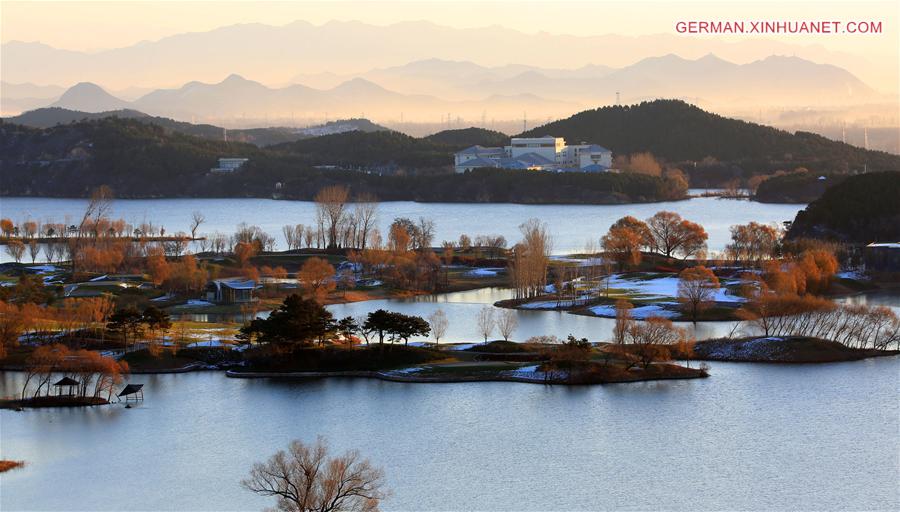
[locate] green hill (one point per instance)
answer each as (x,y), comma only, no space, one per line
(467,137)
(679,132)
(382,151)
(862,208)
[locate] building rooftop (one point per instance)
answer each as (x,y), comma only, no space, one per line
(236,284)
(479,150)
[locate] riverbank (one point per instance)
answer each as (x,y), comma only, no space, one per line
(500,371)
(774,349)
(52,401)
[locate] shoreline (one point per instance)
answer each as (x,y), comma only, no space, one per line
(273,198)
(440,379)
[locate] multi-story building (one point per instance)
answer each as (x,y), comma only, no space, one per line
(537,153)
(548,147)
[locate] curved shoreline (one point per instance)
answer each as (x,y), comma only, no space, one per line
(434,380)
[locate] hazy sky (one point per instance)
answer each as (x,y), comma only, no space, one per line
(92,26)
(100,25)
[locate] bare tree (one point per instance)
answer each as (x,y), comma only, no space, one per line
(439,323)
(697,288)
(366,214)
(33,250)
(507,322)
(486,322)
(288,231)
(15,248)
(331,203)
(197,218)
(624,321)
(98,207)
(307,479)
(530,259)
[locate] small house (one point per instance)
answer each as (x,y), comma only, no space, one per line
(231,291)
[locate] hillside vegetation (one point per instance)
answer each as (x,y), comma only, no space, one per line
(468,137)
(679,132)
(862,208)
(141,156)
(52,116)
(138,159)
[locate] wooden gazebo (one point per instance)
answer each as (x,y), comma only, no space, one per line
(65,382)
(135,391)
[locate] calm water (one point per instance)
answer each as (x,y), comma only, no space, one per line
(572,226)
(462,308)
(820,437)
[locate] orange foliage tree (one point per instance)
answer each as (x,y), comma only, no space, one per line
(316,276)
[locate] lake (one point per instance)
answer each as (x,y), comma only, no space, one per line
(462,308)
(752,436)
(572,226)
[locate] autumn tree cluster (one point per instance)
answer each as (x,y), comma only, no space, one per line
(649,340)
(664,233)
(529,260)
(407,260)
(784,300)
(95,374)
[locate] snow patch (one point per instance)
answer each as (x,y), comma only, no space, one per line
(198,303)
(406,371)
(638,313)
(483,272)
(43,269)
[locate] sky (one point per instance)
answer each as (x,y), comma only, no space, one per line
(83,26)
(103,25)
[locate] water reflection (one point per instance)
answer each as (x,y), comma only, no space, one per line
(572,225)
(484,446)
(461,309)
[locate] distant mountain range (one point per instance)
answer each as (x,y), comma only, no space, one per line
(236,98)
(709,79)
(275,54)
(438,89)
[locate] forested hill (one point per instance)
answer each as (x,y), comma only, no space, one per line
(132,157)
(467,137)
(678,132)
(53,116)
(382,151)
(140,160)
(863,208)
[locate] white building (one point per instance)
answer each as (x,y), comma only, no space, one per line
(546,153)
(548,147)
(229,164)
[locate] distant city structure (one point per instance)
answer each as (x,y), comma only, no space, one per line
(546,153)
(228,165)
